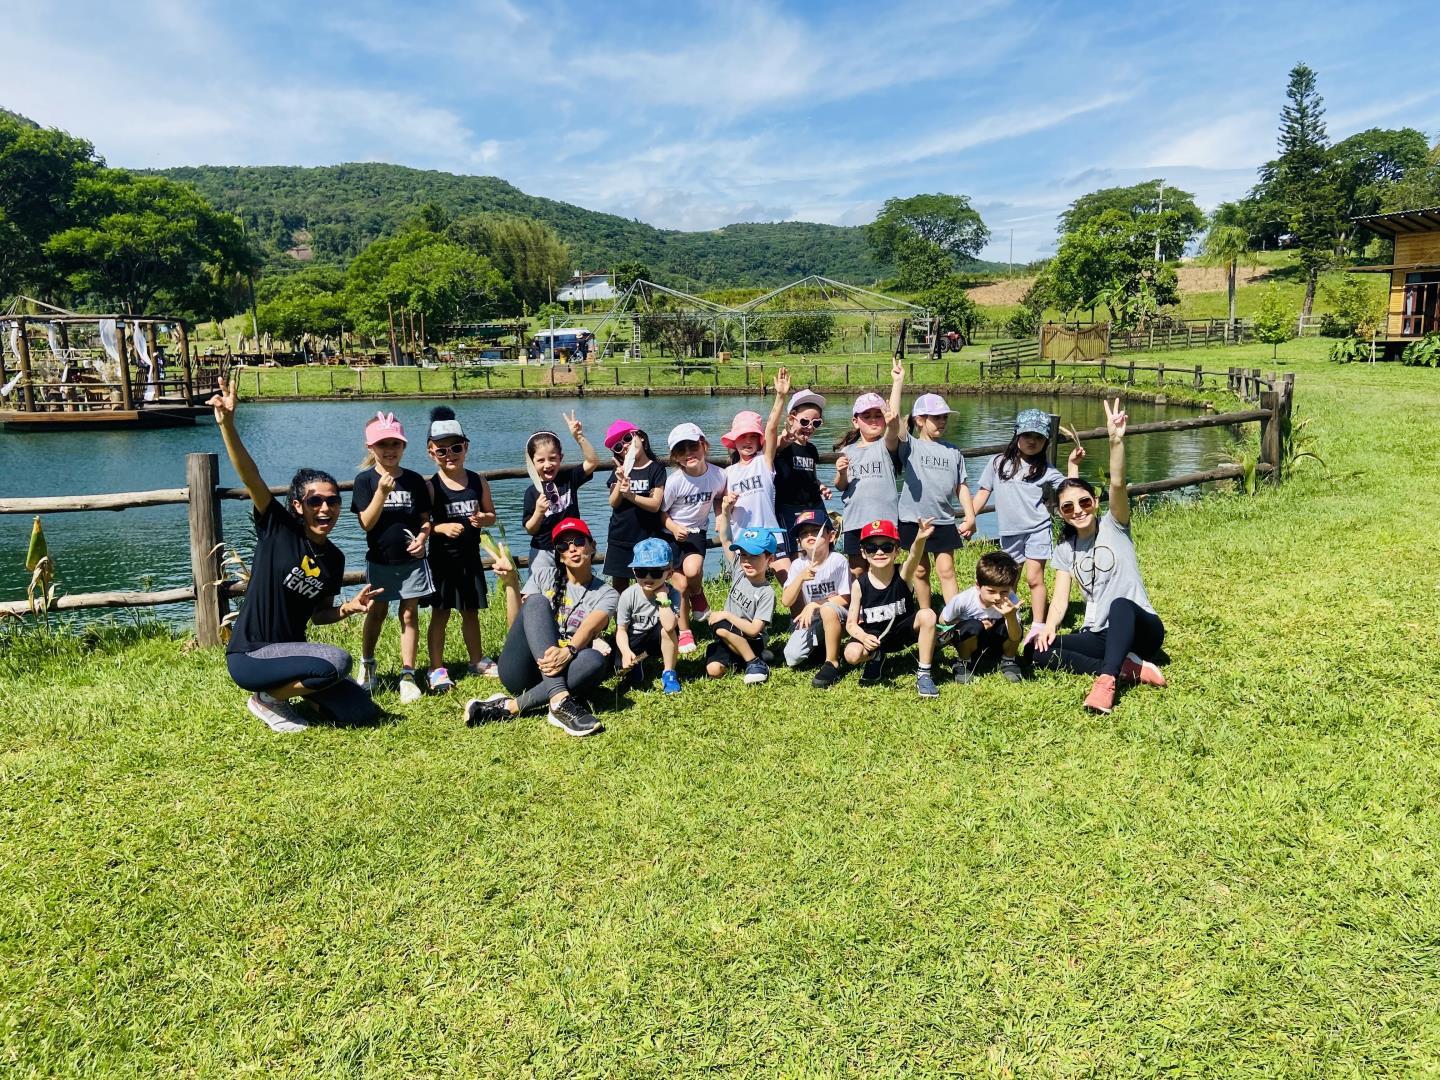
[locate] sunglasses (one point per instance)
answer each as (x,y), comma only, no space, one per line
(1080,506)
(878,547)
(565,543)
(315,502)
(650,573)
(809,425)
(625,441)
(453,450)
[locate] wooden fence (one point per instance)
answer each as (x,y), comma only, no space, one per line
(1246,383)
(203,494)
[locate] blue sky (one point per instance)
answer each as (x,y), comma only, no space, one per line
(696,115)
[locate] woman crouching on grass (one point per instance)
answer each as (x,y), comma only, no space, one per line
(294,580)
(1121,636)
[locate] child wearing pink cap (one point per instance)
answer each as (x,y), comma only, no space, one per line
(393,505)
(865,470)
(636,488)
(750,476)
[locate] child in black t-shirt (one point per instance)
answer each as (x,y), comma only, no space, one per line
(554,492)
(393,505)
(637,487)
(885,615)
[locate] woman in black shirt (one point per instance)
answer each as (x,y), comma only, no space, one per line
(295,578)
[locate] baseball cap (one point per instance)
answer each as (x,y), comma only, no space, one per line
(810,517)
(571,525)
(805,397)
(617,431)
(866,402)
(684,433)
(383,427)
(652,551)
(745,423)
(929,405)
(1033,422)
(754,542)
(883,528)
(443,423)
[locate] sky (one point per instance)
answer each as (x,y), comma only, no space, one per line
(693,116)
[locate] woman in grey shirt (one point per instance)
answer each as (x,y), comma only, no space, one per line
(1121,635)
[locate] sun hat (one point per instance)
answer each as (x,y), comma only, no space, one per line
(652,551)
(755,542)
(883,528)
(866,402)
(930,405)
(810,517)
(617,431)
(1033,422)
(383,427)
(571,525)
(801,398)
(684,433)
(745,423)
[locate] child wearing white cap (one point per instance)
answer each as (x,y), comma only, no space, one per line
(797,481)
(932,479)
(865,469)
(693,490)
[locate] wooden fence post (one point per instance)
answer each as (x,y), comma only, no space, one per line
(257,382)
(296,372)
(1199,378)
(1102,367)
(202,479)
(1130,375)
(1052,449)
(1270,434)
(1160,374)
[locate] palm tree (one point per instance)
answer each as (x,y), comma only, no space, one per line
(1226,245)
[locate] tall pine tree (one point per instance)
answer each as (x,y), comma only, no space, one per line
(1303,182)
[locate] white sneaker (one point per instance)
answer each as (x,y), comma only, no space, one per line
(409,690)
(487,667)
(277,714)
(365,678)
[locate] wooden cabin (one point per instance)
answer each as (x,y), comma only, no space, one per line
(1414,307)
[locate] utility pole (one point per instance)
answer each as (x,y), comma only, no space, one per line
(1157,220)
(1012,251)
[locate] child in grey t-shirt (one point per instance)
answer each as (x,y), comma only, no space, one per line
(647,620)
(865,469)
(740,626)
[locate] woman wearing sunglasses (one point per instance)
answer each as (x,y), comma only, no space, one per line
(1121,636)
(295,578)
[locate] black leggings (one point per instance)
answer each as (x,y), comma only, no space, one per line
(1101,652)
(321,669)
(989,643)
(530,635)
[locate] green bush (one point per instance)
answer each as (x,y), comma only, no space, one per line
(1350,349)
(1422,353)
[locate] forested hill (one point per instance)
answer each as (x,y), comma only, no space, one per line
(344,207)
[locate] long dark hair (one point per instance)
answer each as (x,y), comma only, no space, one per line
(1011,458)
(851,436)
(1067,531)
(639,433)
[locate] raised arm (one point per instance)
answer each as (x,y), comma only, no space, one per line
(592,459)
(224,402)
(925,528)
(777,409)
(892,413)
(1115,421)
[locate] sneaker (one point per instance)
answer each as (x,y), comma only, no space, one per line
(699,603)
(826,677)
(925,685)
(439,682)
(756,671)
(409,689)
(1101,698)
(1010,668)
(486,711)
(961,670)
(686,643)
(872,671)
(277,714)
(486,667)
(573,718)
(669,682)
(365,679)
(1135,670)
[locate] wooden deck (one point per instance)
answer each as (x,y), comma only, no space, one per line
(150,416)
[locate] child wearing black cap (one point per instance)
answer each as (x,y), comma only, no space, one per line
(885,614)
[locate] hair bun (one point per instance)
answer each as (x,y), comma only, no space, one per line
(442,412)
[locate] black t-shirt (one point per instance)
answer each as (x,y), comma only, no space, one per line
(406,508)
(290,578)
(879,606)
(454,508)
(564,495)
(628,523)
(796,483)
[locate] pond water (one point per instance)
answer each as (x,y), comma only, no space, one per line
(147,548)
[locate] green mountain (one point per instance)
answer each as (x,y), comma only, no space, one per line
(338,209)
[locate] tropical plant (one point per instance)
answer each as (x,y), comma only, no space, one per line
(1274,322)
(1226,245)
(1349,350)
(1422,353)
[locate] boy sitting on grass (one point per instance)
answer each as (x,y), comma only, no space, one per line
(740,626)
(647,621)
(817,593)
(885,614)
(982,622)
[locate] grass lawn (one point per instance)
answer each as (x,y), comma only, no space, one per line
(1232,876)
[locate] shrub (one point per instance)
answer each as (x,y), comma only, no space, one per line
(1350,349)
(1422,353)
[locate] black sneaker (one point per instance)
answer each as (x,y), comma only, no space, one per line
(573,718)
(486,711)
(961,671)
(756,671)
(1010,668)
(872,671)
(826,677)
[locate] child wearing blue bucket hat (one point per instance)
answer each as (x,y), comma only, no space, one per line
(648,618)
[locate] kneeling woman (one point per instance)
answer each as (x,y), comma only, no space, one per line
(1121,635)
(549,655)
(294,580)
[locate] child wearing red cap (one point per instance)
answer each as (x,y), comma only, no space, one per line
(865,470)
(636,488)
(885,615)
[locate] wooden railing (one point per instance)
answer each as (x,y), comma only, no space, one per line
(1245,383)
(202,495)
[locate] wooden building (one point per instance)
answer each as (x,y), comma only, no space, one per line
(1414,306)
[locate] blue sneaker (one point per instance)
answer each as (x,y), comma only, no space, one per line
(925,685)
(757,671)
(669,682)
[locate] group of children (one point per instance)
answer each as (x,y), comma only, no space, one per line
(853,601)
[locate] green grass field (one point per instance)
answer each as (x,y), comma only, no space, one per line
(1232,876)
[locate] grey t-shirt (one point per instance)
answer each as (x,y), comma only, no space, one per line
(1020,503)
(1106,568)
(870,495)
(579,601)
(933,470)
(637,613)
(747,600)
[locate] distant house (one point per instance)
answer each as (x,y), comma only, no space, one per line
(1414,308)
(587,286)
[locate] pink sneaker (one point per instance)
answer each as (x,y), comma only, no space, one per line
(1136,670)
(686,643)
(1101,698)
(699,604)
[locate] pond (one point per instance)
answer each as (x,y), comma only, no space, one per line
(147,548)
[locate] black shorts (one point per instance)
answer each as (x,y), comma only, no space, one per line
(902,633)
(459,586)
(850,542)
(617,559)
(647,642)
(945,538)
(718,652)
(694,544)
